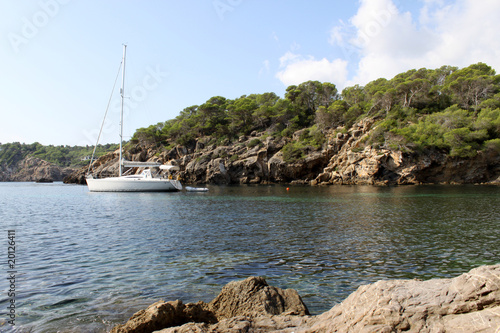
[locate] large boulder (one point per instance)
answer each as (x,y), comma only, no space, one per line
(249,298)
(253,297)
(165,314)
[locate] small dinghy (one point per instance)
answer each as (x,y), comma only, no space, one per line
(196,189)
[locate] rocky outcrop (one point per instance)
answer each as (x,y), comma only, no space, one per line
(253,297)
(254,160)
(467,303)
(250,298)
(354,162)
(346,158)
(34,169)
(165,314)
(104,166)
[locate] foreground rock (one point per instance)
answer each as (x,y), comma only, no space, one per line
(250,298)
(468,303)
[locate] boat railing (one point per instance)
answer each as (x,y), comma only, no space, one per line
(101,175)
(131,171)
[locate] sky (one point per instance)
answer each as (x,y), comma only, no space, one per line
(59,58)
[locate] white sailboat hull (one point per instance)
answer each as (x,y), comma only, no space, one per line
(133,184)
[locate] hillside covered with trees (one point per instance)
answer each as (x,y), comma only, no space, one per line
(422,126)
(451,109)
(28,162)
(63,156)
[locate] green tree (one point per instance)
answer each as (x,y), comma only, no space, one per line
(240,115)
(211,114)
(266,109)
(469,86)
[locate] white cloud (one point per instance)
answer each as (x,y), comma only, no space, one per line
(388,41)
(297,69)
(265,67)
(295,46)
(337,35)
(385,41)
(468,33)
(380,40)
(288,58)
(275,37)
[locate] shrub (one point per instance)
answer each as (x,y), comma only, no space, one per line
(293,152)
(254,142)
(493,145)
(287,132)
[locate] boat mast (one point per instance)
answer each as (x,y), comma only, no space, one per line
(122,93)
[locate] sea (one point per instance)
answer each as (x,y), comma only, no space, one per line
(76,261)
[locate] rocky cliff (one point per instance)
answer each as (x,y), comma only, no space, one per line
(467,303)
(345,158)
(354,162)
(33,169)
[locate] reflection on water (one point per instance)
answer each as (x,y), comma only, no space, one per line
(90,260)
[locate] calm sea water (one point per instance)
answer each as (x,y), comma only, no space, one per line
(87,261)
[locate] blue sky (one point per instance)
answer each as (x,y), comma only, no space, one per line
(59,58)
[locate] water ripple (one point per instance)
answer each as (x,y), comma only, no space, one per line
(90,260)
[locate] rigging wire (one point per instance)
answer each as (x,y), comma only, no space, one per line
(105,114)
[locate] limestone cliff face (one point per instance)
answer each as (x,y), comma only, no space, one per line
(352,162)
(33,169)
(344,159)
(243,164)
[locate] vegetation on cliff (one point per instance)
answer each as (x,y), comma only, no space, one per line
(64,156)
(455,110)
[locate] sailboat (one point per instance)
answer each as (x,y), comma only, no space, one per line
(146,181)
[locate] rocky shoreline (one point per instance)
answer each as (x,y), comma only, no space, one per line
(33,169)
(345,158)
(467,303)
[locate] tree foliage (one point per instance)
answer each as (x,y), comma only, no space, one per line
(445,108)
(222,118)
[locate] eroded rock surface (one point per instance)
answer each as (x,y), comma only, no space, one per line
(254,297)
(34,169)
(345,158)
(467,303)
(249,298)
